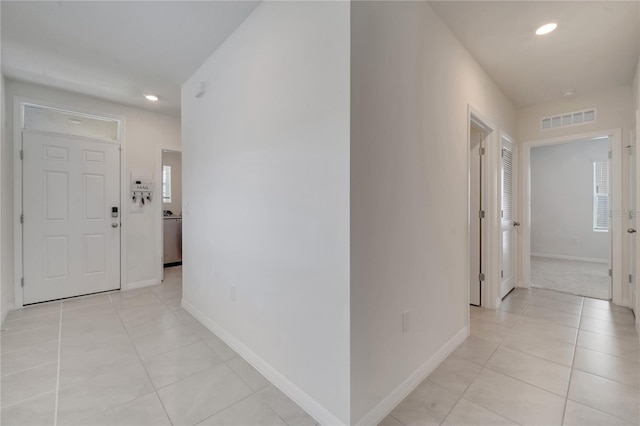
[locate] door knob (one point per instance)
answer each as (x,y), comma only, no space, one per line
(631,230)
(516,223)
(114,225)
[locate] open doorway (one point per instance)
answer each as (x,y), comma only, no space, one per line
(171,212)
(570,204)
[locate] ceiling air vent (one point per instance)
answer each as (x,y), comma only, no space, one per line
(569,119)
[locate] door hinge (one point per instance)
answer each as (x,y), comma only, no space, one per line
(481,151)
(22,282)
(610,272)
(630,278)
(610,155)
(21,218)
(502,153)
(481,276)
(481,214)
(22,154)
(501,274)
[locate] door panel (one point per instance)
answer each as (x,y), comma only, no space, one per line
(56,257)
(70,245)
(633,216)
(94,187)
(475,228)
(507,282)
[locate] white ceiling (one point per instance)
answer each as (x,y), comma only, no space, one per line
(115,50)
(118,50)
(595,46)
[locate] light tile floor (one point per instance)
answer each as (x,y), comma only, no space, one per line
(137,358)
(543,358)
(129,358)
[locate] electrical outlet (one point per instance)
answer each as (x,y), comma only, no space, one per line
(405,321)
(232,292)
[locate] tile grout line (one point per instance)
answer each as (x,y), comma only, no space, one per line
(30,368)
(604,377)
(31,398)
(155,390)
(457,401)
(223,362)
(525,382)
(539,357)
(573,362)
(55,413)
(237,402)
(127,402)
(483,366)
(607,353)
(516,378)
(203,341)
(253,392)
(511,330)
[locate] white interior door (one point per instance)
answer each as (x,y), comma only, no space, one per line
(475,206)
(507,282)
(633,218)
(71,241)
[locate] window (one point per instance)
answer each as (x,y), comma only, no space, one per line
(601,196)
(166,184)
(39,117)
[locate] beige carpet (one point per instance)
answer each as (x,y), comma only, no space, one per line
(589,279)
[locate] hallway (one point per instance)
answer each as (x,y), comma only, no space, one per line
(543,358)
(137,358)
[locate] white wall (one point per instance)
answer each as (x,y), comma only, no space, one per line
(636,85)
(266,198)
(145,132)
(173,159)
(6,269)
(562,200)
(615,110)
(411,84)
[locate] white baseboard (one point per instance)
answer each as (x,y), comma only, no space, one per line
(564,257)
(8,309)
(140,284)
(387,405)
(310,405)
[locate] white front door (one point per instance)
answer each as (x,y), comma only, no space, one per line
(71,242)
(507,282)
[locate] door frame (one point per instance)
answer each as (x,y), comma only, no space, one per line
(504,136)
(159,209)
(19,103)
(615,136)
(636,146)
(489,292)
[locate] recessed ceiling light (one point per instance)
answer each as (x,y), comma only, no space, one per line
(546,28)
(151,98)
